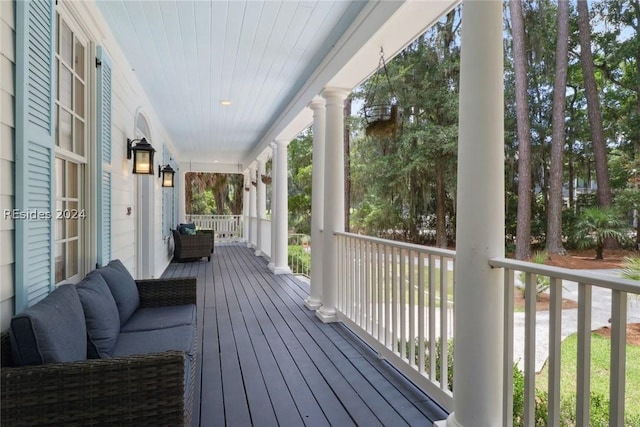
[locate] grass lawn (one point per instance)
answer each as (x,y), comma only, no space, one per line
(600,353)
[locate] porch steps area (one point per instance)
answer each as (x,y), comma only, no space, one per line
(266,360)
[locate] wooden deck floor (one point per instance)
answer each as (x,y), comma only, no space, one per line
(268,361)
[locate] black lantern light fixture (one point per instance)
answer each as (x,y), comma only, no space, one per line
(142,154)
(167,173)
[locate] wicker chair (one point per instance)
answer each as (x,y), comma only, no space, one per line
(146,389)
(211,234)
(192,246)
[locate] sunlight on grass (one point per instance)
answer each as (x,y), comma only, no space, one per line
(600,354)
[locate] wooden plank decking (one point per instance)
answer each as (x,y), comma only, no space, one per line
(268,361)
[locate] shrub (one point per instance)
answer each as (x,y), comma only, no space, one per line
(631,268)
(542,282)
(595,225)
(299,260)
(427,359)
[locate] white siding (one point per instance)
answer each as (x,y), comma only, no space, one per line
(7,91)
(127,98)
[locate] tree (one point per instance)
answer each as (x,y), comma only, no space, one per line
(300,167)
(593,105)
(226,190)
(596,225)
(347,163)
(523,228)
(554,212)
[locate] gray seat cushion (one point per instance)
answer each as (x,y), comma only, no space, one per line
(51,331)
(180,338)
(101,314)
(122,287)
(145,319)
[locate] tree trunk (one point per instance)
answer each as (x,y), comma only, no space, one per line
(523,228)
(188,192)
(572,191)
(237,182)
(593,105)
(554,214)
(347,163)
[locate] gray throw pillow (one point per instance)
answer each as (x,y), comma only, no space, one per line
(122,287)
(101,314)
(51,331)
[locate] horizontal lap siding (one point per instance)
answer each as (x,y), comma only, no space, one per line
(7,165)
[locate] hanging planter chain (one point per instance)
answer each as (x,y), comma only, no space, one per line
(382,118)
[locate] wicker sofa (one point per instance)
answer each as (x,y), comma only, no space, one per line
(60,366)
(194,246)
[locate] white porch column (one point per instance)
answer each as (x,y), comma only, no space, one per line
(261,207)
(334,199)
(182,198)
(274,189)
(479,291)
(281,236)
(246,209)
(314,301)
(252,206)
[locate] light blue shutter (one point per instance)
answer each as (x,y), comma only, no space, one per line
(104,157)
(34,151)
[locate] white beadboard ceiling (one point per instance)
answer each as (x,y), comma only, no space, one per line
(268,58)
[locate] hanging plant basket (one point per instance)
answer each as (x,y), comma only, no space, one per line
(266,179)
(382,116)
(383,120)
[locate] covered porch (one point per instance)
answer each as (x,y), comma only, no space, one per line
(275,350)
(267,360)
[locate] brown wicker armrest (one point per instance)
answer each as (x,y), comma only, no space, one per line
(163,292)
(136,390)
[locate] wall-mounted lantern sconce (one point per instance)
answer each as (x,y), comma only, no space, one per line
(142,154)
(167,173)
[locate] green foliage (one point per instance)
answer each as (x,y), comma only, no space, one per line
(438,356)
(631,268)
(518,396)
(542,282)
(595,225)
(403,185)
(203,203)
(300,183)
(299,260)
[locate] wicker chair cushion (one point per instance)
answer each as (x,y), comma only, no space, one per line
(187,229)
(122,287)
(145,319)
(51,331)
(101,314)
(179,338)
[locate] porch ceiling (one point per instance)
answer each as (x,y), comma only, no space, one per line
(268,58)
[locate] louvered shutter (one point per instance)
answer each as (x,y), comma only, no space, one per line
(34,151)
(104,157)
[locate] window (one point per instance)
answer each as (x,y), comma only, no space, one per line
(71,151)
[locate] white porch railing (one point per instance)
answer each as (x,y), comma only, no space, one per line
(265,228)
(299,254)
(398,297)
(226,227)
(392,295)
(581,286)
